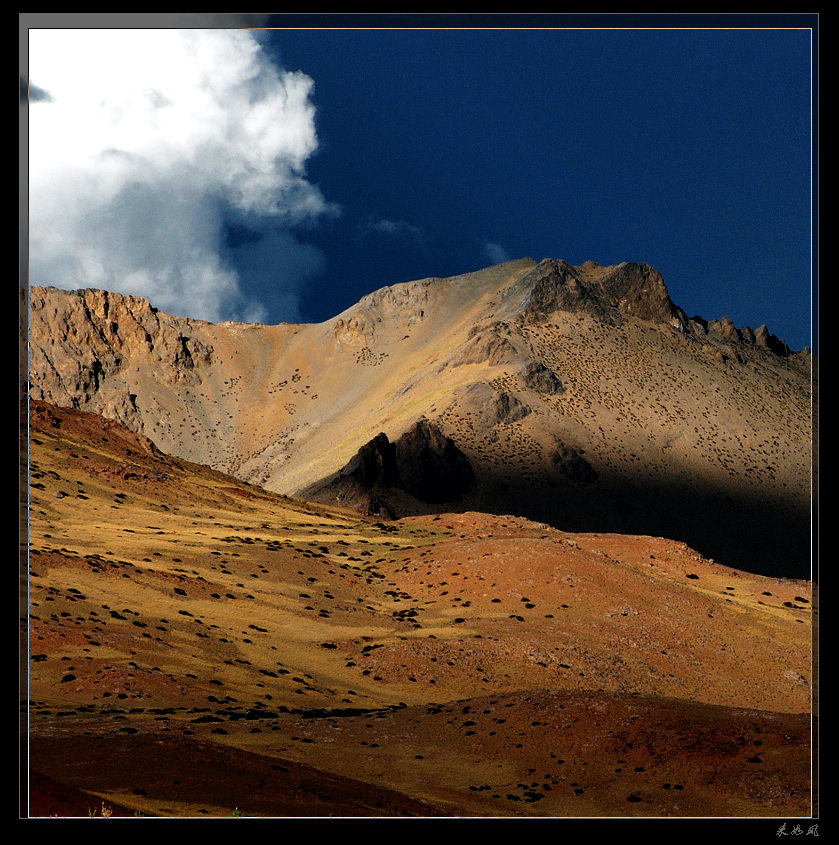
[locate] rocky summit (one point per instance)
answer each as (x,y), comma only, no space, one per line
(578,396)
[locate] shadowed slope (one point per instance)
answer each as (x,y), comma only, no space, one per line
(580,396)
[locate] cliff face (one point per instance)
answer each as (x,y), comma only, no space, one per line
(578,396)
(82,340)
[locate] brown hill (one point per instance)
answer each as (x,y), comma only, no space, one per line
(579,396)
(198,646)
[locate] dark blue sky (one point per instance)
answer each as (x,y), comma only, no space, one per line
(688,149)
(283,168)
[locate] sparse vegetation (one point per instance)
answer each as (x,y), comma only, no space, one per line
(232,646)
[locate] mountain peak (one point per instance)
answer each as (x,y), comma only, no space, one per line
(580,396)
(606,293)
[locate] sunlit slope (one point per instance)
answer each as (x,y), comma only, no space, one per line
(208,584)
(175,613)
(581,396)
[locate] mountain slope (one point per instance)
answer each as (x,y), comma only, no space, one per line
(198,645)
(580,396)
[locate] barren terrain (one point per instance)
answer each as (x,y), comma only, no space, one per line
(200,646)
(581,397)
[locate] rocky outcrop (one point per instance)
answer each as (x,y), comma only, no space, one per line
(430,466)
(80,339)
(628,289)
(506,408)
(554,285)
(491,344)
(639,289)
(724,331)
(605,293)
(357,331)
(491,406)
(423,463)
(571,465)
(540,378)
(403,305)
(374,464)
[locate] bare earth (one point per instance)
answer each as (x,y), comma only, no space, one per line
(201,647)
(603,412)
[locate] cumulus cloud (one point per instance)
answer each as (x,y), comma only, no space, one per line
(144,144)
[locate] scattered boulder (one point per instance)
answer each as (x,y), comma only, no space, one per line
(489,344)
(506,408)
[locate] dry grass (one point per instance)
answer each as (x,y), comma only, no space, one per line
(432,665)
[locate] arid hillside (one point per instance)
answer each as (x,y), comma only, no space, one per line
(578,396)
(198,646)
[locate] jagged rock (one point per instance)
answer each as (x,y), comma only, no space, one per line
(430,466)
(724,329)
(374,463)
(538,377)
(81,339)
(769,341)
(639,289)
(556,286)
(423,463)
(570,464)
(602,292)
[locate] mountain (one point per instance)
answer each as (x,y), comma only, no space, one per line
(577,396)
(199,646)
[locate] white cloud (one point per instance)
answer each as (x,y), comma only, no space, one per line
(393,228)
(495,253)
(141,145)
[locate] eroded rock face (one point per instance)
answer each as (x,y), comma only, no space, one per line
(423,463)
(540,378)
(79,339)
(491,344)
(430,466)
(554,286)
(639,289)
(602,292)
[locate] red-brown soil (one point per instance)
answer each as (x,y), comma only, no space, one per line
(200,647)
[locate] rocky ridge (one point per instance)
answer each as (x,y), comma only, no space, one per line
(580,396)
